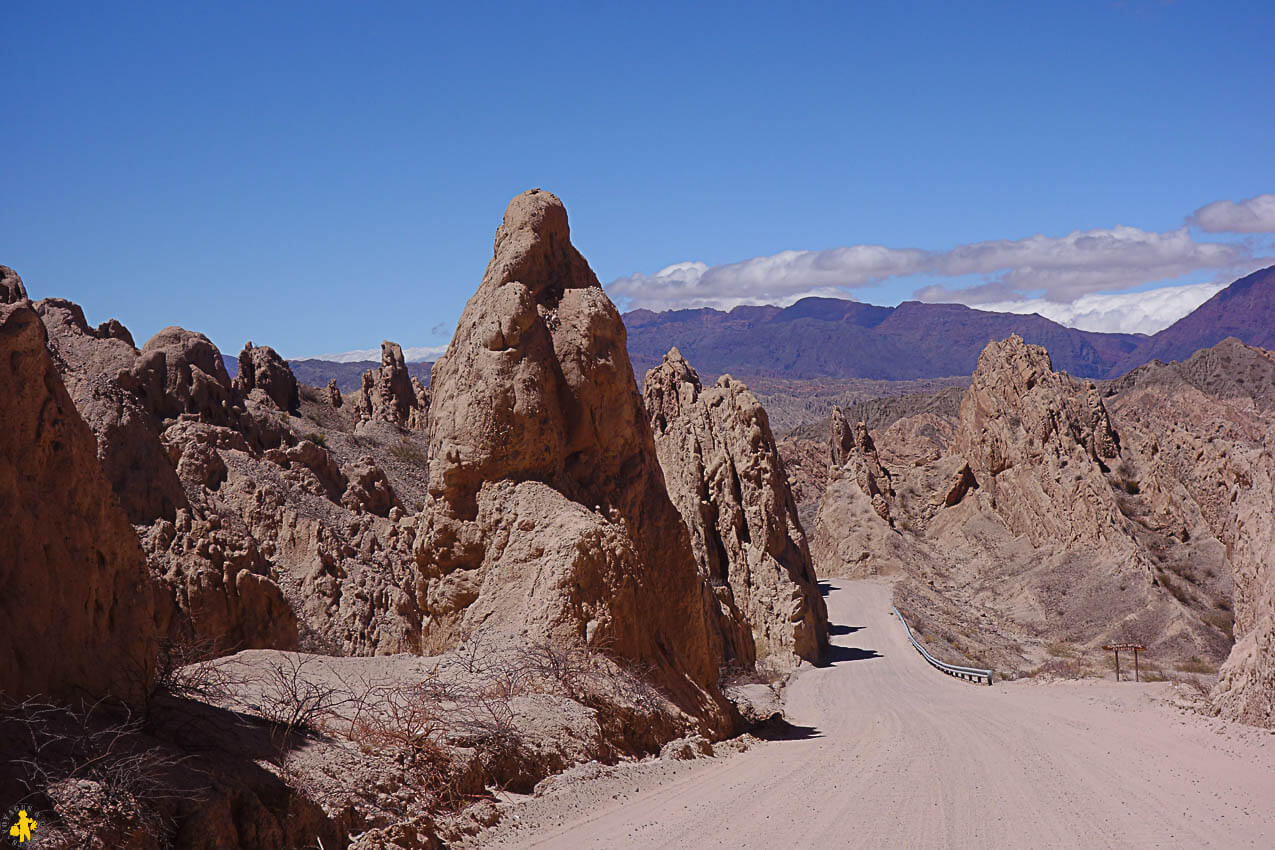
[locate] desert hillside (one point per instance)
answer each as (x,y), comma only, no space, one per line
(367,613)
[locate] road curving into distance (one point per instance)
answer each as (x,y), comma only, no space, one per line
(888,752)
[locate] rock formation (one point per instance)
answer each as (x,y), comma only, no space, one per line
(1040,444)
(11,289)
(724,475)
(547,511)
(854,447)
(1029,510)
(1202,430)
(78,606)
(261,368)
(263,536)
(390,394)
(334,393)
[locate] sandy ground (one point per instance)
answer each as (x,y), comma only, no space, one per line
(890,753)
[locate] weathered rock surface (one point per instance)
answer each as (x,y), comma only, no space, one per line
(261,368)
(11,289)
(1039,442)
(263,536)
(78,607)
(1204,438)
(725,476)
(390,394)
(547,511)
(1020,522)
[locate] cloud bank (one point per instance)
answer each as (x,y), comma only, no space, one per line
(411,355)
(1255,215)
(1128,312)
(1081,279)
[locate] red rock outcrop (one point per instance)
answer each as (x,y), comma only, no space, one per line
(249,524)
(725,476)
(261,368)
(1030,513)
(391,394)
(78,607)
(11,289)
(547,513)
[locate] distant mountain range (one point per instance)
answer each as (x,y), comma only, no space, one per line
(835,338)
(828,337)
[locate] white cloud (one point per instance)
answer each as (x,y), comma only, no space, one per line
(1089,261)
(780,279)
(411,355)
(1056,269)
(1126,312)
(1254,215)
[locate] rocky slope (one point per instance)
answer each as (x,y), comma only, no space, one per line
(1203,430)
(547,512)
(258,505)
(1020,524)
(724,473)
(79,607)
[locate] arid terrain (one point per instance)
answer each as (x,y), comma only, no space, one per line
(883,751)
(555,596)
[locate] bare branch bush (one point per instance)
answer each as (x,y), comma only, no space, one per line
(294,700)
(95,767)
(189,670)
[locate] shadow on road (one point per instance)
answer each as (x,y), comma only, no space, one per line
(778,729)
(824,588)
(833,654)
(834,629)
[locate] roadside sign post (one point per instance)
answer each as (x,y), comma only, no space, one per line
(1135,648)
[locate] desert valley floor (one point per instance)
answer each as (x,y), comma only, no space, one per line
(884,751)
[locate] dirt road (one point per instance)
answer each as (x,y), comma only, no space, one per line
(891,753)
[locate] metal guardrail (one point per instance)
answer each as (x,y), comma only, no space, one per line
(969,674)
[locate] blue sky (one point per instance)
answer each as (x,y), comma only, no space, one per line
(319,176)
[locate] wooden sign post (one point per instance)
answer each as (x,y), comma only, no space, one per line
(1136,647)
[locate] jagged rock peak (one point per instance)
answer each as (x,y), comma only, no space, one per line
(841,441)
(669,389)
(194,376)
(547,510)
(726,478)
(533,246)
(11,288)
(1018,407)
(260,367)
(391,394)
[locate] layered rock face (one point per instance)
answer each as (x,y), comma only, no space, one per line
(1040,443)
(547,511)
(262,534)
(725,476)
(1204,431)
(390,394)
(1021,521)
(78,606)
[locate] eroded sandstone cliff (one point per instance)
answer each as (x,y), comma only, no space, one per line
(78,607)
(547,511)
(726,478)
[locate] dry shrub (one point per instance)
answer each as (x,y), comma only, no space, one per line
(189,670)
(1060,668)
(91,764)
